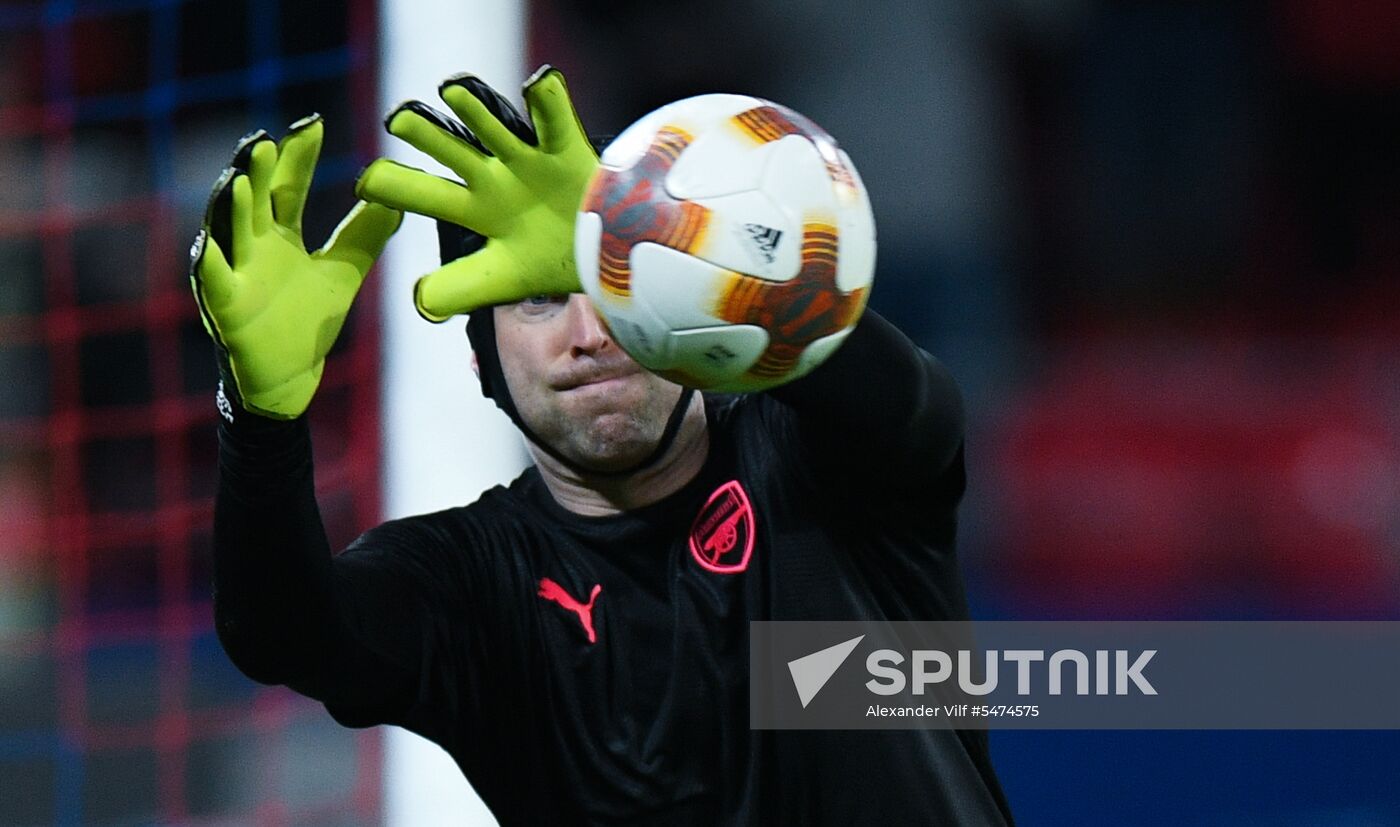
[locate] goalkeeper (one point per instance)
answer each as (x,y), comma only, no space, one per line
(577,640)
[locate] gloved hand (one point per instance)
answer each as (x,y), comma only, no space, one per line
(524,182)
(272,308)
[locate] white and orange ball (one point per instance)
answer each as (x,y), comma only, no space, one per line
(727,242)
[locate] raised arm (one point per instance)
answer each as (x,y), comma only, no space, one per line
(359,631)
(280,613)
(284,611)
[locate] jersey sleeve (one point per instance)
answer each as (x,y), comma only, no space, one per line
(367,632)
(881,415)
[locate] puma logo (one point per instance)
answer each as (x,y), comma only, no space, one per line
(551,590)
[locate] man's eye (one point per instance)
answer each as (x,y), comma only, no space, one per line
(544,301)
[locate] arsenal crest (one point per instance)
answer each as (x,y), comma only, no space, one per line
(721,539)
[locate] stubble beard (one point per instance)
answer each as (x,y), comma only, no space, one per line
(615,434)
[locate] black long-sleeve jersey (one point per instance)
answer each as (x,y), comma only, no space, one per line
(594,670)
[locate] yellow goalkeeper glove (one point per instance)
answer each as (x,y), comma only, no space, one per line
(524,180)
(272,308)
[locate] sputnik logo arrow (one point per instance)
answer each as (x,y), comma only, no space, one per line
(811,672)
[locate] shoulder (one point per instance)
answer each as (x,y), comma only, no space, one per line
(478,529)
(754,423)
(734,413)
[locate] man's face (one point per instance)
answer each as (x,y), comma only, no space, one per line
(576,388)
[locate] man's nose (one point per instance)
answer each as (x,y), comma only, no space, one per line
(587,334)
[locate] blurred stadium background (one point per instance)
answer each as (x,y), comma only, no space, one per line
(1158,242)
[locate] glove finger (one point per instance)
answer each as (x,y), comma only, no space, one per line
(296,164)
(241,219)
(218,213)
(413,190)
(212,277)
(243,152)
(264,162)
(497,104)
(471,282)
(361,236)
(440,137)
(491,118)
(552,112)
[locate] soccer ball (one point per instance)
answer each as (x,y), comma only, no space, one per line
(727,243)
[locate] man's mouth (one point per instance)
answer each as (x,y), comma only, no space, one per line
(594,378)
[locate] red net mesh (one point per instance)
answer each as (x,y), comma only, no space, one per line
(116,702)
